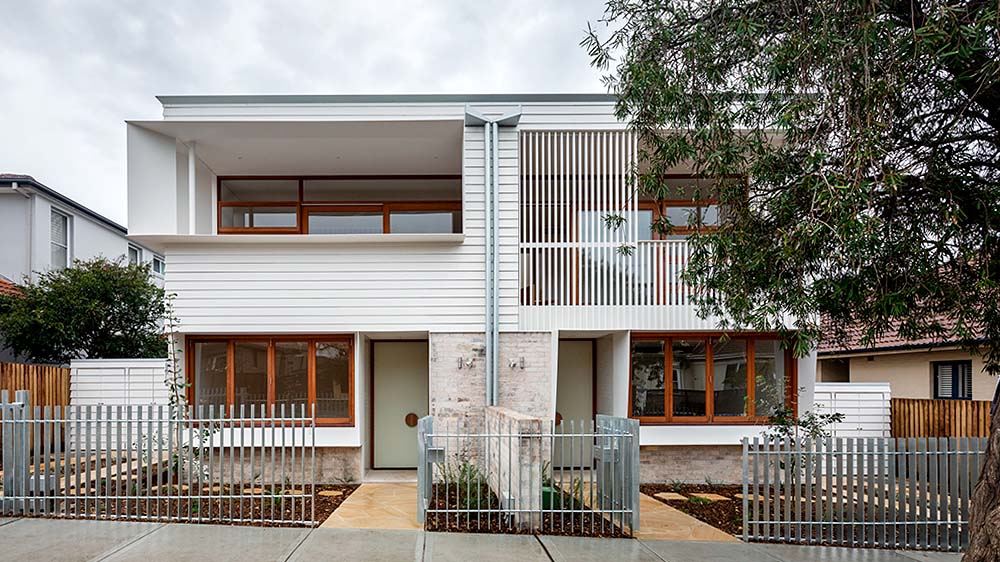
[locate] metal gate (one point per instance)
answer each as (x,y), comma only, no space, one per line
(497,474)
(159,463)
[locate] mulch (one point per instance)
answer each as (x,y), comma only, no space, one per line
(496,522)
(267,508)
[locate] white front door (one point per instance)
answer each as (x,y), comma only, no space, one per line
(574,398)
(399,386)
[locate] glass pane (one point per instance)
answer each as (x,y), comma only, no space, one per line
(380,189)
(333,380)
(210,373)
(59,228)
(769,377)
(333,222)
(647,378)
(680,216)
(291,377)
(250,366)
(689,377)
(133,256)
(425,222)
(59,256)
(645,218)
(729,371)
(710,215)
(259,217)
(259,190)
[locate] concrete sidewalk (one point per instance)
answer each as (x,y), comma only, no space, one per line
(69,540)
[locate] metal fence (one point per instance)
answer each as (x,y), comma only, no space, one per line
(158,463)
(869,492)
(516,474)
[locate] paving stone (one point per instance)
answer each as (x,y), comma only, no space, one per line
(179,542)
(462,547)
(703,551)
(66,540)
(330,493)
(750,497)
(349,545)
(711,497)
(581,549)
(670,496)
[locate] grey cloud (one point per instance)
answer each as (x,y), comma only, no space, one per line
(77,70)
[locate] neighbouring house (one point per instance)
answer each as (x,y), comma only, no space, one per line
(44,229)
(924,368)
(382,258)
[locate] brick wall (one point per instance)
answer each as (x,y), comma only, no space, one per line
(460,392)
(514,464)
(338,465)
(722,464)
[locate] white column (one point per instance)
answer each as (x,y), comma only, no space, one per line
(192,176)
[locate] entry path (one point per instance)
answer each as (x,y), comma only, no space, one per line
(112,541)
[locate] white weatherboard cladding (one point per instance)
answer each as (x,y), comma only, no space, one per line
(118,381)
(867,408)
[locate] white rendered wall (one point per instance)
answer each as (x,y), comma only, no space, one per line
(15,258)
(152,182)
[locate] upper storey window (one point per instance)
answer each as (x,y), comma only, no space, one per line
(341,205)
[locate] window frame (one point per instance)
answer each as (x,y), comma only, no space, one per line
(685,230)
(304,207)
(311,340)
(138,254)
(955,381)
(69,237)
(750,418)
(163,265)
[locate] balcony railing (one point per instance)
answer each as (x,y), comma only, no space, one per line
(567,274)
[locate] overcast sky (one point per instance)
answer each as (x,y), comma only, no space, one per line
(74,71)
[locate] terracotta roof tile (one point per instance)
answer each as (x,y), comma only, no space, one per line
(890,340)
(6,287)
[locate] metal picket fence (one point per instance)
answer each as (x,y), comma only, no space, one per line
(508,473)
(863,492)
(159,463)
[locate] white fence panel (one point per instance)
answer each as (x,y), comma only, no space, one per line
(118,381)
(867,408)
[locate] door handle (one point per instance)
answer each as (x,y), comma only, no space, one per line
(411,420)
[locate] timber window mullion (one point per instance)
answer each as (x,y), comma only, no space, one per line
(751,408)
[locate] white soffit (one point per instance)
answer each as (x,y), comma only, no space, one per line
(321,148)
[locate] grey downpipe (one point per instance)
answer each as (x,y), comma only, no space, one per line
(488,218)
(495,281)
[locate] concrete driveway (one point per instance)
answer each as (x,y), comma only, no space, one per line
(70,540)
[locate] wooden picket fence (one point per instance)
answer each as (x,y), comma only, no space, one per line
(918,417)
(48,384)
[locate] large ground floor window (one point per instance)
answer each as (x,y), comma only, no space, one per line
(264,372)
(712,378)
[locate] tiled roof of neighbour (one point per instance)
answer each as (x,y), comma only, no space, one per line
(6,287)
(891,340)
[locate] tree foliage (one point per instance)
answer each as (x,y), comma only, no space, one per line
(858,146)
(94,309)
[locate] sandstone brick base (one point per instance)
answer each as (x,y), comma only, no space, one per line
(692,464)
(338,465)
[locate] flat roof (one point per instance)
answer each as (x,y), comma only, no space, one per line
(226,99)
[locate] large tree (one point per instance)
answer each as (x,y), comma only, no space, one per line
(94,309)
(859,144)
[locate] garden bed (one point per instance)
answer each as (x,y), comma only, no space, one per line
(485,516)
(726,515)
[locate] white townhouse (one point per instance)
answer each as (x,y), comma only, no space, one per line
(386,257)
(43,229)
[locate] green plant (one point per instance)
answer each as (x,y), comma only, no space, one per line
(785,425)
(96,309)
(709,482)
(676,486)
(699,501)
(468,482)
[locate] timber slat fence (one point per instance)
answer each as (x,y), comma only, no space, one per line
(861,492)
(48,384)
(158,462)
(918,417)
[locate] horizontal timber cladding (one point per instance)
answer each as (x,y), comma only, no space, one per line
(373,286)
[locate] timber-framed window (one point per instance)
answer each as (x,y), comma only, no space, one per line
(712,378)
(429,204)
(265,372)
